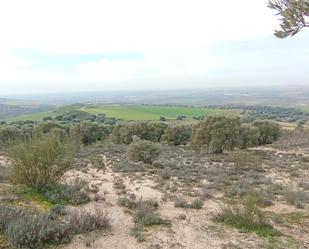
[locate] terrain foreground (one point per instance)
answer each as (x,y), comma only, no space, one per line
(277,177)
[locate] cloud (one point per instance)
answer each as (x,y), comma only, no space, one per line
(80,26)
(57,45)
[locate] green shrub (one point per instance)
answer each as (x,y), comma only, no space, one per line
(137,232)
(66,194)
(177,135)
(144,151)
(58,210)
(41,161)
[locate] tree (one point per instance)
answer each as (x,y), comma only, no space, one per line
(249,136)
(177,134)
(8,134)
(152,131)
(294,16)
(216,134)
(269,131)
(91,132)
(47,127)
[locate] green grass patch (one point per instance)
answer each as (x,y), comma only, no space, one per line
(35,196)
(27,197)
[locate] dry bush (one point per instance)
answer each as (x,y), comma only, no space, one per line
(295,138)
(7,214)
(180,202)
(83,221)
(126,202)
(297,198)
(196,204)
(245,160)
(36,231)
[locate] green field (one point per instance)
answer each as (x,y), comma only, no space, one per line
(134,112)
(140,112)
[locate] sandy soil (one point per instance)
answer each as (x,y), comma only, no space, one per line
(196,231)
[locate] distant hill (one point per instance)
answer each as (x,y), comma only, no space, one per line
(284,96)
(12,108)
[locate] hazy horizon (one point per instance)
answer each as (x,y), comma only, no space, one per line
(82,46)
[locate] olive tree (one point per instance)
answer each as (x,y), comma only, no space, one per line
(177,134)
(294,16)
(216,134)
(152,131)
(269,131)
(90,132)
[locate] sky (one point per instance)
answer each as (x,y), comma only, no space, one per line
(101,45)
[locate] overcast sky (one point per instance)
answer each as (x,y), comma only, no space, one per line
(94,45)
